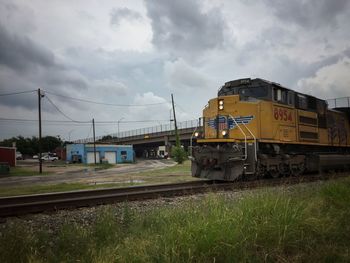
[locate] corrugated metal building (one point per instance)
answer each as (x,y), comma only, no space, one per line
(84,153)
(8,155)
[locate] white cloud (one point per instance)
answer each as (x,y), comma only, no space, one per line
(331,81)
(152,112)
(109,87)
(180,76)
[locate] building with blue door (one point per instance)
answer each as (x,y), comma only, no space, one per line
(84,153)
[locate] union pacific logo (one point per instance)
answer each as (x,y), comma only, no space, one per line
(225,122)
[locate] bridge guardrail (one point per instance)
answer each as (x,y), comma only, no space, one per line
(144,131)
(339,102)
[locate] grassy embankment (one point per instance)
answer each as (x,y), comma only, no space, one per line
(295,224)
(178,173)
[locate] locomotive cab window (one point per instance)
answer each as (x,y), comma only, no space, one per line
(301,102)
(257,92)
(290,98)
(280,95)
(312,103)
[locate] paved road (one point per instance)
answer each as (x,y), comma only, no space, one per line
(88,175)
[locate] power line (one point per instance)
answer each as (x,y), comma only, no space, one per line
(33,124)
(16,93)
(81,122)
(53,104)
(34,120)
(60,124)
(105,103)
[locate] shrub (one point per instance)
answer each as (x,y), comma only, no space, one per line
(179,154)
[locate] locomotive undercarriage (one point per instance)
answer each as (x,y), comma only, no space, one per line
(229,162)
(219,162)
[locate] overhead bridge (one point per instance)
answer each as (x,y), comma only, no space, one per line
(146,141)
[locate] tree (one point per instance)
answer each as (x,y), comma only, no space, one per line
(50,143)
(30,146)
(106,138)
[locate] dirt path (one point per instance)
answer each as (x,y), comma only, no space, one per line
(87,175)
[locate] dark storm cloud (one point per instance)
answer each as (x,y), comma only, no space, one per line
(20,53)
(117,15)
(26,65)
(182,26)
(309,13)
(128,67)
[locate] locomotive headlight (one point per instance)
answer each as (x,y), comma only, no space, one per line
(224,133)
(196,134)
(221,104)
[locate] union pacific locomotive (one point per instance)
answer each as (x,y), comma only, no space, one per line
(257,128)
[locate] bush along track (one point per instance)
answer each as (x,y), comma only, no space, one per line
(303,223)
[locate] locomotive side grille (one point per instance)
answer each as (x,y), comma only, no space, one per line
(308,135)
(307,120)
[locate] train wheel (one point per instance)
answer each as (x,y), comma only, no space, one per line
(284,169)
(298,169)
(261,170)
(274,173)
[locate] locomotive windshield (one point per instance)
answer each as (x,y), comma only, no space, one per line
(247,89)
(257,92)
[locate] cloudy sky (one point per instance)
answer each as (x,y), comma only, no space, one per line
(139,52)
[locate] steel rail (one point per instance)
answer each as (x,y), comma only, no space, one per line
(26,204)
(85,193)
(22,205)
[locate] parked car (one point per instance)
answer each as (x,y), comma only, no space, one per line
(19,156)
(35,156)
(49,158)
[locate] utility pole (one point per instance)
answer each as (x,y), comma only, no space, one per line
(93,131)
(175,123)
(39,141)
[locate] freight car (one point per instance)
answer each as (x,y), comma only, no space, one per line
(257,128)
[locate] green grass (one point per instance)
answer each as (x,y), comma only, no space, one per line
(18,171)
(300,224)
(180,173)
(178,169)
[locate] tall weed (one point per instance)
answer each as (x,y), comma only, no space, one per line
(307,224)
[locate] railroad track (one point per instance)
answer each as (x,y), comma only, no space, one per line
(27,204)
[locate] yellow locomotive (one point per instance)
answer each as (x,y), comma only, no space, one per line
(259,128)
